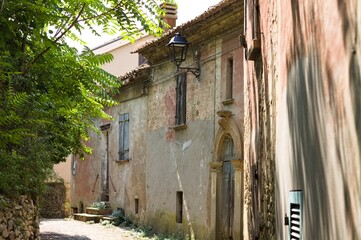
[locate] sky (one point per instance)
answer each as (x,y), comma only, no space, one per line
(187,10)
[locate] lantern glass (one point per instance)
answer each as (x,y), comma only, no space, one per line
(178,47)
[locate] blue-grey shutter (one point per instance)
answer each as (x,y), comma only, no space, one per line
(295,198)
(124,136)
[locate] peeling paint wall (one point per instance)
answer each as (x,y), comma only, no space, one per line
(167,161)
(178,160)
(126,178)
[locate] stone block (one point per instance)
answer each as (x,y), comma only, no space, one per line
(12,235)
(5,233)
(96,211)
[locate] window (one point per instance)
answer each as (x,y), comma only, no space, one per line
(179,207)
(124,136)
(181,90)
(141,59)
(295,215)
(229,79)
(136,205)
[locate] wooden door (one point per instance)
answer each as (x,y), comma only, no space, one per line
(227,191)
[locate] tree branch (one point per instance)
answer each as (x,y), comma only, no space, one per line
(23,46)
(64,23)
(76,20)
(99,15)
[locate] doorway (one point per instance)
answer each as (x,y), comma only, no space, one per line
(227,190)
(227,180)
(104,169)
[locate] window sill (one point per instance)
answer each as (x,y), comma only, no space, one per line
(122,160)
(228,101)
(179,127)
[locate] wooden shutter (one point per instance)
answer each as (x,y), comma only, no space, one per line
(124,136)
(181,99)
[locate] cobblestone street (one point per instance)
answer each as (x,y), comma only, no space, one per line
(56,229)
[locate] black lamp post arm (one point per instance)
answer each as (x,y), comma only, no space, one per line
(195,71)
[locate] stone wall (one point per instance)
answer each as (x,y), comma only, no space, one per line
(260,77)
(52,204)
(18,218)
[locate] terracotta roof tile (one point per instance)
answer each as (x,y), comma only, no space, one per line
(133,74)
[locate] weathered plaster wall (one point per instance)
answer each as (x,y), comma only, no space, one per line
(230,48)
(85,176)
(127,178)
(303,120)
(179,165)
(318,149)
(178,160)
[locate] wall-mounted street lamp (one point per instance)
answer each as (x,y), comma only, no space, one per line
(178,47)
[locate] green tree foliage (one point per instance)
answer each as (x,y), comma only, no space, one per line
(50,93)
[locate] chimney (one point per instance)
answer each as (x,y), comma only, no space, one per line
(170,16)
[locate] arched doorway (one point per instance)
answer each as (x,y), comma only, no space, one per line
(227,184)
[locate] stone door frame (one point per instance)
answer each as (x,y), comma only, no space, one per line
(228,128)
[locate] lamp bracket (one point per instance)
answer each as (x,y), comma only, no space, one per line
(195,71)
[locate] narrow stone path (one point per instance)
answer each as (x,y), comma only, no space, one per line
(68,229)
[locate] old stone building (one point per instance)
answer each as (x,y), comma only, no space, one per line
(263,144)
(172,157)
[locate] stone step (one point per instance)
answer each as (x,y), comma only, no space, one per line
(85,217)
(96,211)
(109,218)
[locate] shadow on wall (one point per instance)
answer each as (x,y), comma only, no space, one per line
(355,88)
(305,105)
(324,139)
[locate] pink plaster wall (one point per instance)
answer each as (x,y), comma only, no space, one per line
(304,118)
